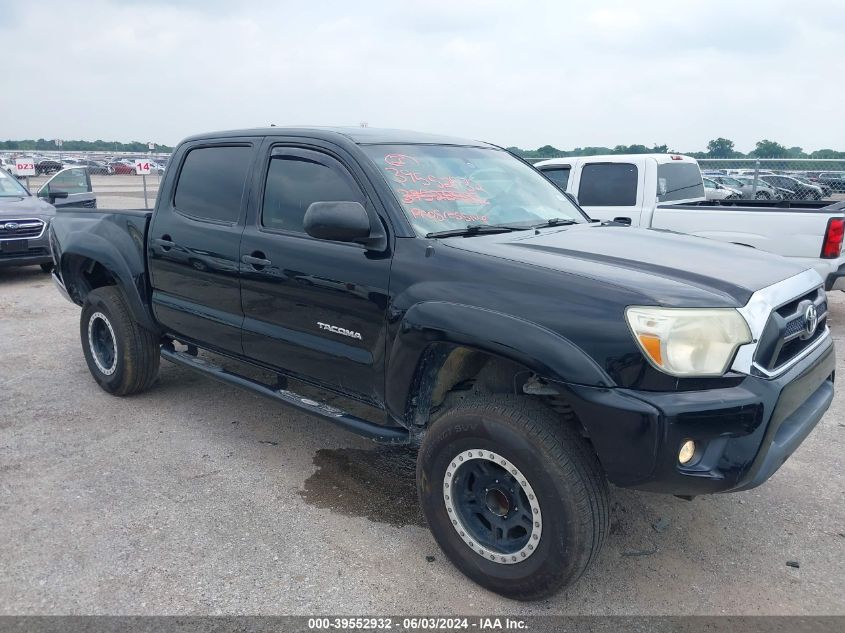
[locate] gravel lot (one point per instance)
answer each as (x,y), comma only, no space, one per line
(196,498)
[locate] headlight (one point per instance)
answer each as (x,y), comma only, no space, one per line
(688,341)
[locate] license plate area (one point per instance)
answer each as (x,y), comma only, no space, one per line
(14,246)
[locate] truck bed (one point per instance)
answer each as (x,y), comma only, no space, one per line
(116,238)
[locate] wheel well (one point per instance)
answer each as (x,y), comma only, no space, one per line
(82,274)
(446,370)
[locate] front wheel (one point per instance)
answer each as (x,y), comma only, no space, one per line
(122,356)
(514,496)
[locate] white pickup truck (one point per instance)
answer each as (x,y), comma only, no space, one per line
(666,191)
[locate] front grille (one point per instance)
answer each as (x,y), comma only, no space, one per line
(785,336)
(21,229)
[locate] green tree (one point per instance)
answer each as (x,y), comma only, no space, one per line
(827,153)
(720,148)
(770,149)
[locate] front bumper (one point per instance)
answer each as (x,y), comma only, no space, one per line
(744,433)
(38,253)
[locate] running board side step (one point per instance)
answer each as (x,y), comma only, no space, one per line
(375,432)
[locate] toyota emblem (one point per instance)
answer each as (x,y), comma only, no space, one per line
(811,321)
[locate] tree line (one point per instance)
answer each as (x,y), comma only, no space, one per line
(717,148)
(41,145)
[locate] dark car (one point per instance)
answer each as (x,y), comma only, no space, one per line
(47,166)
(96,168)
(529,353)
(797,190)
(833,179)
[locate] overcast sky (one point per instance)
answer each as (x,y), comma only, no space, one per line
(514,73)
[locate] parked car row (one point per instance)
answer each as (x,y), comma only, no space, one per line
(97,167)
(773,185)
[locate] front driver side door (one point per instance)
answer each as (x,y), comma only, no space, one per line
(311,307)
(75,183)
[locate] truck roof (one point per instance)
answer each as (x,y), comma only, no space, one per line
(358,135)
(612,158)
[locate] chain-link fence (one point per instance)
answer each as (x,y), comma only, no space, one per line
(775,178)
(114,180)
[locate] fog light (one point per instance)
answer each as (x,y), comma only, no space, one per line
(687,452)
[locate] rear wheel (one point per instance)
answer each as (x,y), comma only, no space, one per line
(515,498)
(122,356)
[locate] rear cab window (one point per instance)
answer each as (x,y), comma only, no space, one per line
(211,183)
(679,181)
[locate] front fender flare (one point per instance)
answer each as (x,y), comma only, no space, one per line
(541,350)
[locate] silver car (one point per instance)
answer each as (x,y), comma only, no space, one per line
(24,218)
(745,185)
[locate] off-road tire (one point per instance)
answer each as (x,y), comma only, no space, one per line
(134,366)
(561,468)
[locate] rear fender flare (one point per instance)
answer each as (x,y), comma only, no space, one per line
(125,266)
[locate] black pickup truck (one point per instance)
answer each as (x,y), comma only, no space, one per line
(532,354)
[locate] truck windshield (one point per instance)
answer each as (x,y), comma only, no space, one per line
(11,188)
(444,187)
(679,181)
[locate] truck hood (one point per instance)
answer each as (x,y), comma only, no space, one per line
(21,207)
(668,268)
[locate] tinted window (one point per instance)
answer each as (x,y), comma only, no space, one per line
(211,183)
(608,185)
(296,180)
(558,175)
(70,180)
(679,181)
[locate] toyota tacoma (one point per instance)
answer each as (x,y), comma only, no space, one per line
(532,355)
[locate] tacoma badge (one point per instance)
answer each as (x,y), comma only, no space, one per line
(339,330)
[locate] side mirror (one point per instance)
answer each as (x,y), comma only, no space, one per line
(52,196)
(337,221)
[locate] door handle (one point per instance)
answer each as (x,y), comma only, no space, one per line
(623,220)
(165,242)
(256,262)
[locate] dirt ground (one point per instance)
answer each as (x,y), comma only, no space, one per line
(196,498)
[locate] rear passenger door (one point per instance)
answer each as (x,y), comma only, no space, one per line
(194,243)
(610,190)
(313,308)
